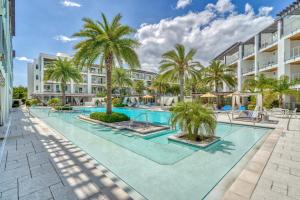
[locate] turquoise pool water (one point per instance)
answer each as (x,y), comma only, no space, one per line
(154,167)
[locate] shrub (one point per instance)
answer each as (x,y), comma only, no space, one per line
(119,105)
(34,102)
(116,101)
(54,102)
(114,117)
(28,102)
(63,107)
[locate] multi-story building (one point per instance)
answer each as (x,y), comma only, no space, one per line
(7,31)
(274,51)
(94,81)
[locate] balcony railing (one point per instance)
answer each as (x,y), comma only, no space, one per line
(295,76)
(232,58)
(248,70)
(294,53)
(248,50)
(270,41)
(270,63)
(292,26)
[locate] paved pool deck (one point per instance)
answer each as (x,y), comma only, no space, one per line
(39,163)
(273,173)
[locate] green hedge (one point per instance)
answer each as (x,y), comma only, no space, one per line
(114,117)
(63,107)
(119,105)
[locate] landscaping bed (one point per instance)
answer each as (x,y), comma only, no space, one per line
(183,138)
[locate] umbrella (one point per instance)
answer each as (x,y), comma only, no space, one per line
(208,95)
(147,97)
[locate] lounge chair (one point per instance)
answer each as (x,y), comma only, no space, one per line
(227,108)
(249,115)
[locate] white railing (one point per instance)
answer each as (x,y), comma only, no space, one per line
(292,26)
(295,52)
(232,58)
(248,69)
(295,76)
(269,41)
(248,50)
(267,64)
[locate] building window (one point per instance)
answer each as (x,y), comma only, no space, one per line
(36,77)
(37,87)
(36,66)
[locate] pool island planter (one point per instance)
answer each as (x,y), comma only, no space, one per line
(140,131)
(178,138)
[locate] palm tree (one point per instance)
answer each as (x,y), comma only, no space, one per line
(160,86)
(194,120)
(283,86)
(121,79)
(217,73)
(139,87)
(108,42)
(177,65)
(260,83)
(62,70)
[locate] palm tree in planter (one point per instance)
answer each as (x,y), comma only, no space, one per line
(177,65)
(121,79)
(196,122)
(284,86)
(62,70)
(108,42)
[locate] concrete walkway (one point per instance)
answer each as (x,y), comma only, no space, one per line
(274,171)
(39,163)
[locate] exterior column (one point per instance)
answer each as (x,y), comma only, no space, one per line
(283,47)
(256,54)
(239,68)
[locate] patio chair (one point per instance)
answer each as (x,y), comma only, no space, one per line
(227,108)
(249,116)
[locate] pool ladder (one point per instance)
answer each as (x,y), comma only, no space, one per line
(136,117)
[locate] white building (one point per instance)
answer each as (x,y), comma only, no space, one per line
(274,51)
(7,31)
(94,81)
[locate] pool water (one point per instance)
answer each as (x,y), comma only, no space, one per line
(155,167)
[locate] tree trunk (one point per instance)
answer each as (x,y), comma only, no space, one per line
(181,84)
(108,63)
(63,92)
(216,91)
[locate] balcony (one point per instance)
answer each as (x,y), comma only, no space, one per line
(248,52)
(294,57)
(232,58)
(268,66)
(248,70)
(295,76)
(291,26)
(269,44)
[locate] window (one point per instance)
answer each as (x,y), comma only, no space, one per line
(36,77)
(57,88)
(37,87)
(36,66)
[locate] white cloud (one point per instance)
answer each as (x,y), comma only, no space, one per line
(222,6)
(210,31)
(25,59)
(183,3)
(64,38)
(265,10)
(63,55)
(249,9)
(68,3)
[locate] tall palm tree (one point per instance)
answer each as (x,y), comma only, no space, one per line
(139,87)
(283,86)
(121,79)
(108,42)
(177,65)
(217,73)
(62,70)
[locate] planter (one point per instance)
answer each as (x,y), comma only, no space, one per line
(203,144)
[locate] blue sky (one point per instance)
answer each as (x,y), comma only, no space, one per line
(47,25)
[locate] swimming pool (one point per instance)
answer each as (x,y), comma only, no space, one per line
(154,167)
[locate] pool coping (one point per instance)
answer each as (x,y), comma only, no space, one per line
(244,185)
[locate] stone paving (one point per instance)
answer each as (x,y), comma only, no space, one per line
(274,171)
(39,163)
